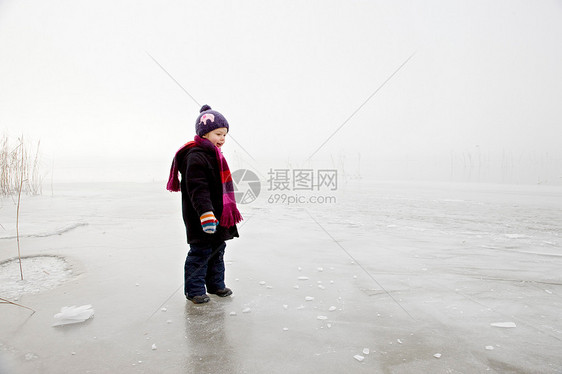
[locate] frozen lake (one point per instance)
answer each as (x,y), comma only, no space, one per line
(386,278)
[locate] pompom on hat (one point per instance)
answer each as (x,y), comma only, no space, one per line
(209,120)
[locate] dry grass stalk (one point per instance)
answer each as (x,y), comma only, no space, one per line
(18,175)
(18,210)
(16,304)
(15,162)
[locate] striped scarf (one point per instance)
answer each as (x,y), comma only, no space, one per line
(230,214)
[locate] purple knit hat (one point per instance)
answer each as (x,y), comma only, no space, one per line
(209,120)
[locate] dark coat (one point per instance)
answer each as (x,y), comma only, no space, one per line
(201,191)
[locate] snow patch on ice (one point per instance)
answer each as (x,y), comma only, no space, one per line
(40,273)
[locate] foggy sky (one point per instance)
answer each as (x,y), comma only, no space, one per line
(483,87)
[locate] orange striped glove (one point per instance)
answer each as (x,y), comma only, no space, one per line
(209,222)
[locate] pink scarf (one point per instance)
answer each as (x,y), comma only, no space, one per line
(230,214)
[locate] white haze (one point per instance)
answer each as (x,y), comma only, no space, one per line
(478,101)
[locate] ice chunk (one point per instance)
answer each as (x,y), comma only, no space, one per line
(322,318)
(399,341)
(154,347)
(437,355)
(285,306)
(285,329)
(296,287)
(503,324)
(232,313)
(489,348)
(73,314)
(516,236)
(246,310)
(359,358)
(332,308)
(320,269)
(366,351)
(303,278)
(262,283)
(309,298)
(164,309)
(321,287)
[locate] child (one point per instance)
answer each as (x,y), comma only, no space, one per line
(207,193)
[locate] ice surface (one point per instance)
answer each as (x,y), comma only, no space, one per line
(458,258)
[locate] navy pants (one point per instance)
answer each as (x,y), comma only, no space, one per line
(204,265)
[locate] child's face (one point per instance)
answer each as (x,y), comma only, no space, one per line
(217,136)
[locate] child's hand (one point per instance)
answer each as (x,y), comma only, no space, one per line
(209,222)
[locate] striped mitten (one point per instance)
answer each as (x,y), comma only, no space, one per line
(209,222)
